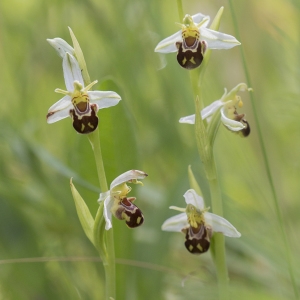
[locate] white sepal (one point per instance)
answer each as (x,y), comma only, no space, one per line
(59,110)
(72,71)
(220,224)
(168,45)
(175,223)
(127,176)
(108,203)
(229,123)
(206,112)
(104,99)
(218,40)
(198,18)
(61,46)
(191,197)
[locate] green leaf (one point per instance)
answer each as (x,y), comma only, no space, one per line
(193,182)
(83,212)
(80,58)
(216,22)
(99,233)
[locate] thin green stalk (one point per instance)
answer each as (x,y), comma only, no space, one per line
(206,156)
(95,142)
(105,245)
(219,240)
(267,164)
(104,239)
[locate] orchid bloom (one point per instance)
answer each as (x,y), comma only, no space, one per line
(198,224)
(227,107)
(79,102)
(116,202)
(193,39)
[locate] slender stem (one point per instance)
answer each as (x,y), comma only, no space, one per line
(206,156)
(104,239)
(110,268)
(219,240)
(267,165)
(95,142)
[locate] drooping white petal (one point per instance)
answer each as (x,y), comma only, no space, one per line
(59,110)
(72,71)
(229,123)
(61,104)
(108,203)
(57,116)
(127,176)
(61,46)
(104,99)
(218,40)
(168,45)
(188,119)
(211,109)
(176,223)
(220,224)
(205,112)
(191,197)
(198,18)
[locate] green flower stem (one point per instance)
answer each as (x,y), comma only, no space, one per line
(219,240)
(206,155)
(95,142)
(267,166)
(104,239)
(105,245)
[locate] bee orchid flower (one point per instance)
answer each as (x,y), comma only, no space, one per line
(193,39)
(79,102)
(118,204)
(226,106)
(198,224)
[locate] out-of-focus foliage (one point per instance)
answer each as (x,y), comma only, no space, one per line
(37,213)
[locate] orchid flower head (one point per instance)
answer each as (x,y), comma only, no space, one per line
(79,102)
(227,108)
(198,224)
(193,39)
(118,204)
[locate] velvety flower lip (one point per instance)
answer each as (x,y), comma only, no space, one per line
(116,202)
(197,22)
(79,102)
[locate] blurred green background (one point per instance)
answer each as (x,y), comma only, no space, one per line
(37,213)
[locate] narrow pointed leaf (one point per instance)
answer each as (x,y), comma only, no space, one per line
(83,212)
(80,58)
(193,182)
